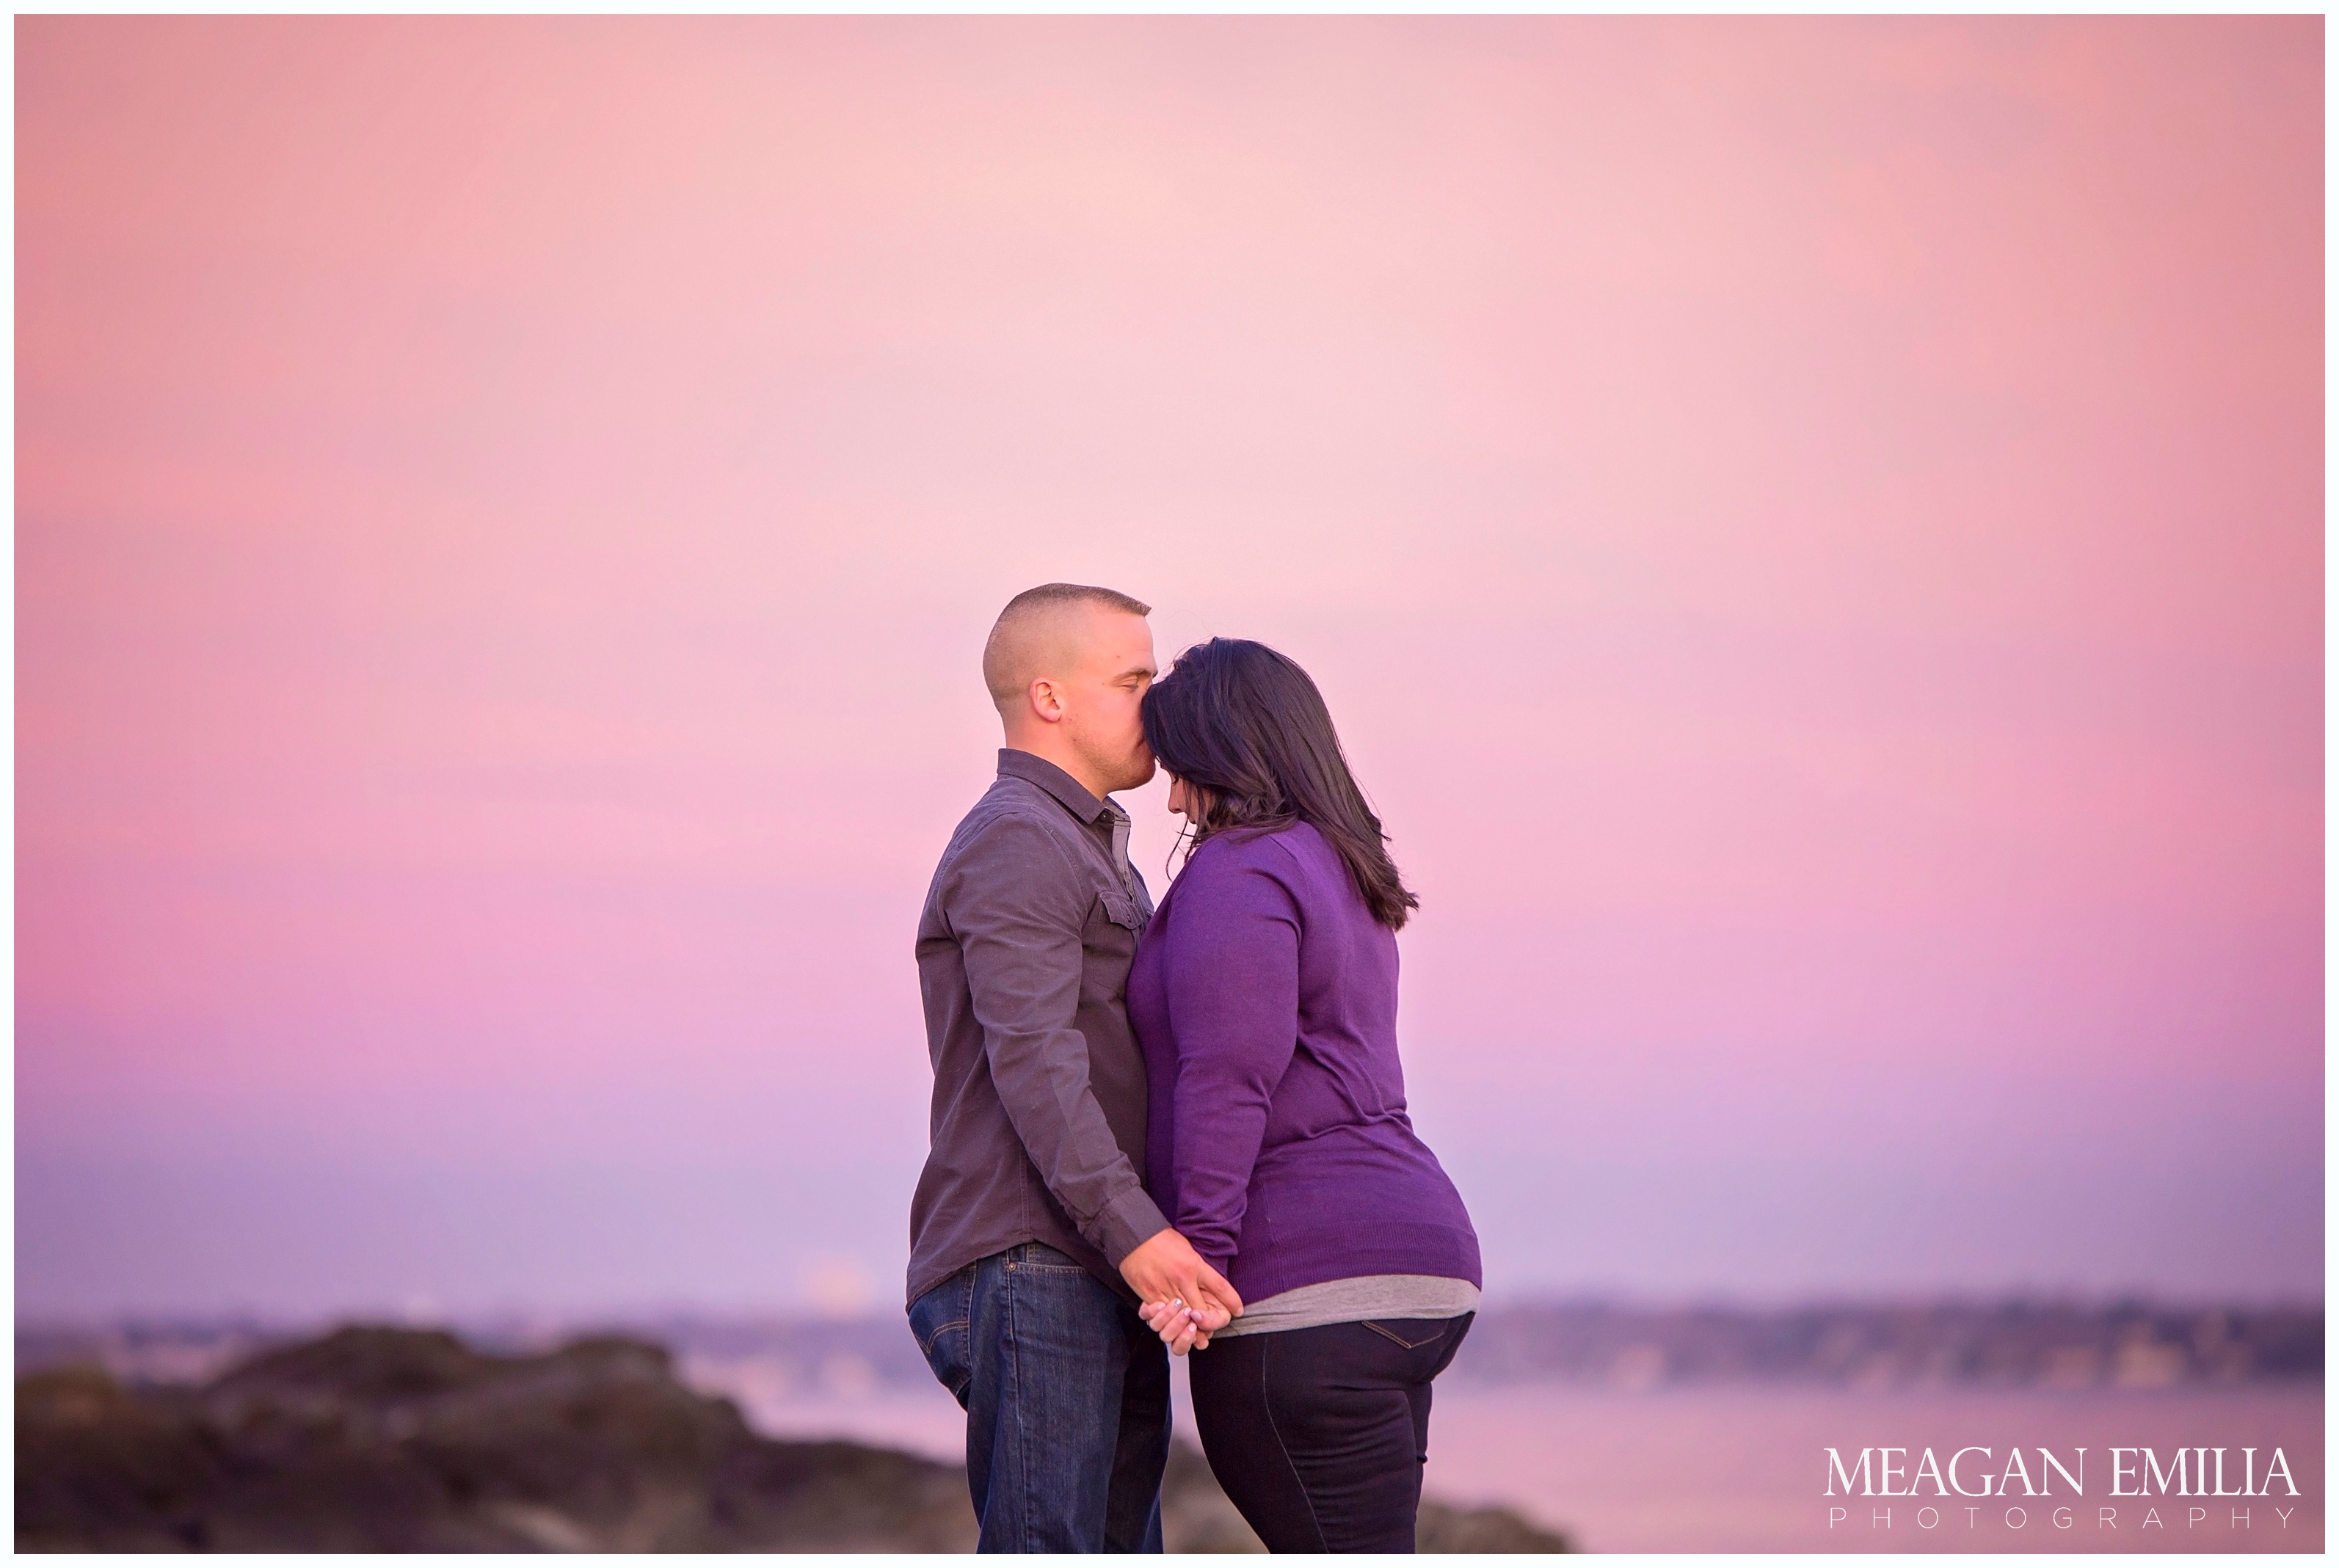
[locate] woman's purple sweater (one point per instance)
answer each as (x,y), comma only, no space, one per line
(1264,995)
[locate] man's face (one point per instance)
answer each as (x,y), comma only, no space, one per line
(1114,667)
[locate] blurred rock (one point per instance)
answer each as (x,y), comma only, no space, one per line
(406,1440)
(399,1440)
(1441,1528)
(1196,1515)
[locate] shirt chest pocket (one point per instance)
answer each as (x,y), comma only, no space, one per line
(1121,910)
(1114,924)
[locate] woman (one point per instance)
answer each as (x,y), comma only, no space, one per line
(1264,996)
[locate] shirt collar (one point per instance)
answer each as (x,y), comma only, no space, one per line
(1069,791)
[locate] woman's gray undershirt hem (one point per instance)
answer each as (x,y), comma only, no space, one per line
(1354,1300)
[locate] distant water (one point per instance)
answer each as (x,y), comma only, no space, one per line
(1741,1467)
(1719,1467)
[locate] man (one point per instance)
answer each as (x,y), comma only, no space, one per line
(1032,1239)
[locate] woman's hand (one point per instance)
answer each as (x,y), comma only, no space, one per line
(1164,1267)
(1182,1327)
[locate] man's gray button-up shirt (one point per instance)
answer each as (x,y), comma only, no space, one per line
(1038,1122)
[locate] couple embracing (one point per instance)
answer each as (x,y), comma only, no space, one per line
(1175,1131)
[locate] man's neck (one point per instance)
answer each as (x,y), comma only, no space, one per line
(1070,764)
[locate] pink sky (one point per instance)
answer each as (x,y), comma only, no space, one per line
(1811,531)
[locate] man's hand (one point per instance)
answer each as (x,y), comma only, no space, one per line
(1165,1272)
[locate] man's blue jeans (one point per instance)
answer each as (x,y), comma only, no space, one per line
(1067,1400)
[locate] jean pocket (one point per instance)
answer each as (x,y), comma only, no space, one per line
(1412,1333)
(1457,1327)
(943,1322)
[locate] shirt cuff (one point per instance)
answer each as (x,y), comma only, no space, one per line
(1127,1221)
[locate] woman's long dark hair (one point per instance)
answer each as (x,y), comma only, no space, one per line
(1249,728)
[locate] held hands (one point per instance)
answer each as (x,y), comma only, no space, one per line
(1182,1328)
(1184,1299)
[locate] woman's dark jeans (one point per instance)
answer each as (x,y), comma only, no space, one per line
(1318,1434)
(1067,1401)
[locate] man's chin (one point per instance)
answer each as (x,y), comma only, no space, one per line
(1128,774)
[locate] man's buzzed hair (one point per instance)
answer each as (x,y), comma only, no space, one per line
(1007,656)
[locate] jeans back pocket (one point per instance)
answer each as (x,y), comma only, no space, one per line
(942,1320)
(1412,1333)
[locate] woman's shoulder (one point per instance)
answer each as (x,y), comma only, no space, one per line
(1231,850)
(1294,855)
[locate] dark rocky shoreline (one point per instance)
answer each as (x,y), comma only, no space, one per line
(375,1439)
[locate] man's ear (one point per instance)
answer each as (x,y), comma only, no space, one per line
(1047,701)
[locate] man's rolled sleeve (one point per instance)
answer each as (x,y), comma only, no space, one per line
(1017,910)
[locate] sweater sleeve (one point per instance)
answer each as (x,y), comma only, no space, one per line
(1231,971)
